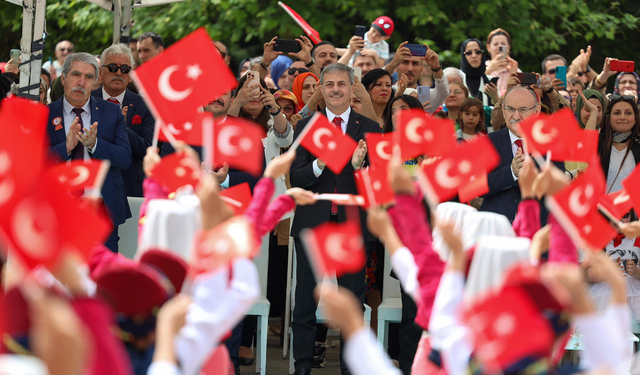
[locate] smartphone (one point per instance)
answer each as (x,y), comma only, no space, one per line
(360,30)
(502,50)
(494,80)
(561,74)
(357,72)
(424,94)
(618,66)
(287,45)
(417,49)
(14,55)
(527,79)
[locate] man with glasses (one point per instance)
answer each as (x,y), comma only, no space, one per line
(550,63)
(117,62)
(224,51)
(504,193)
(63,49)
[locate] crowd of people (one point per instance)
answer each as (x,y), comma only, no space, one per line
(441,257)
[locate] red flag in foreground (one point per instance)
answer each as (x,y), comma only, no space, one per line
(326,142)
(616,204)
(78,175)
(373,185)
(189,131)
(237,197)
(380,149)
(186,76)
(419,133)
(561,135)
(177,170)
(235,238)
(239,144)
(335,248)
(477,186)
(461,168)
(310,31)
(575,207)
(632,185)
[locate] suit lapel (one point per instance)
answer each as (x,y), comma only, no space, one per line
(353,127)
(97,109)
(56,115)
(506,152)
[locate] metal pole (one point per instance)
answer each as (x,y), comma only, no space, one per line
(37,48)
(25,44)
(117,20)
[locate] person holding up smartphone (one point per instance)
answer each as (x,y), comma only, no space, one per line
(501,64)
(369,43)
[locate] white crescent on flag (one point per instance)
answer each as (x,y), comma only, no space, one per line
(577,207)
(334,247)
(167,90)
(34,227)
(412,130)
(539,136)
(380,150)
(621,198)
(7,186)
(442,175)
(82,174)
(317,138)
(224,141)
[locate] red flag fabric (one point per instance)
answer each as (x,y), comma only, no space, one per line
(311,32)
(46,222)
(477,186)
(616,204)
(631,184)
(186,76)
(237,197)
(239,143)
(380,149)
(455,169)
(561,135)
(177,170)
(419,133)
(235,238)
(78,175)
(373,185)
(326,142)
(575,207)
(189,131)
(336,248)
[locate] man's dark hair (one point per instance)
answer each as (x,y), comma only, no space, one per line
(156,38)
(225,46)
(576,81)
(324,42)
(357,56)
(46,73)
(133,40)
(549,58)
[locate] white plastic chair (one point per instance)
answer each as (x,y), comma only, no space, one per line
(262,307)
(128,232)
(390,310)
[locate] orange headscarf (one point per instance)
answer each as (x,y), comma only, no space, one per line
(297,88)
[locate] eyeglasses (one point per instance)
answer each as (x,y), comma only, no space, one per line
(457,92)
(293,71)
(66,49)
(113,68)
(623,97)
(477,52)
(287,108)
(523,110)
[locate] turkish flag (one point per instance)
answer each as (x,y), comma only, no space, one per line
(380,149)
(237,197)
(235,238)
(631,184)
(478,185)
(336,248)
(189,131)
(616,204)
(186,76)
(310,31)
(575,207)
(583,145)
(419,133)
(78,175)
(45,222)
(456,168)
(239,143)
(342,199)
(26,115)
(374,186)
(326,141)
(177,170)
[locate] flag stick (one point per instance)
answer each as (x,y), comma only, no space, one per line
(304,132)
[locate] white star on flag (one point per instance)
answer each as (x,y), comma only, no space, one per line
(193,72)
(188,126)
(580,145)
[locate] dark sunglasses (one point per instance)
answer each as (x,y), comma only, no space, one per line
(477,52)
(293,71)
(623,97)
(113,68)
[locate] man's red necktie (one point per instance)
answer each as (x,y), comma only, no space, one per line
(337,121)
(518,143)
(113,100)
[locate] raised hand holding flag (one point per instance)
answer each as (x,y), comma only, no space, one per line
(237,197)
(380,147)
(419,133)
(177,170)
(239,143)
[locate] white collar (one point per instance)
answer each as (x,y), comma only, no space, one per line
(105,95)
(344,116)
(512,136)
(67,107)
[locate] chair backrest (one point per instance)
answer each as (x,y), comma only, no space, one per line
(128,231)
(262,264)
(390,286)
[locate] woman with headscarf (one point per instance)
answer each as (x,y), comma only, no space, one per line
(627,84)
(279,72)
(472,68)
(303,88)
(589,108)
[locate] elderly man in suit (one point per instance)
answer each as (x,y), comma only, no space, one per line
(117,62)
(85,127)
(503,197)
(311,173)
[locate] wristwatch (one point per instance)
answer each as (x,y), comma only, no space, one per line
(310,63)
(437,69)
(277,113)
(266,67)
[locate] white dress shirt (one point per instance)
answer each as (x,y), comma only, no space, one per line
(330,116)
(119,98)
(365,356)
(69,116)
(514,149)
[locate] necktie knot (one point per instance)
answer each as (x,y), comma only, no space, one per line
(113,100)
(77,111)
(518,143)
(337,121)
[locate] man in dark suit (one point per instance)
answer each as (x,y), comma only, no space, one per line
(117,62)
(504,193)
(311,173)
(84,127)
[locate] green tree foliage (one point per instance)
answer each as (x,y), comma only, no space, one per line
(537,27)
